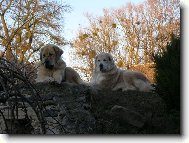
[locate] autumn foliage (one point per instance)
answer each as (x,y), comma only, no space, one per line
(26,25)
(132,34)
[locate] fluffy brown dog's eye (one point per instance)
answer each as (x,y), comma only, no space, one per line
(44,55)
(50,54)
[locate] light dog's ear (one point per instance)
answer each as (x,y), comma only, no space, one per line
(58,52)
(41,52)
(110,58)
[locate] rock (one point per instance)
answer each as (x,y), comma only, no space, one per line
(125,115)
(19,126)
(149,105)
(79,122)
(78,109)
(50,113)
(74,116)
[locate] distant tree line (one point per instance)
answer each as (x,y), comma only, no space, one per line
(132,34)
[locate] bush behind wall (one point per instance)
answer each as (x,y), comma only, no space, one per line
(167,75)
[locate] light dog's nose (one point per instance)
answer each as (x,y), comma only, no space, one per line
(101,66)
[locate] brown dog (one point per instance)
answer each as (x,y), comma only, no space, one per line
(52,68)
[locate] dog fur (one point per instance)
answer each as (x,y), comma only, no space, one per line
(107,75)
(52,68)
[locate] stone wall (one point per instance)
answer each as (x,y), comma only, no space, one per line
(77,109)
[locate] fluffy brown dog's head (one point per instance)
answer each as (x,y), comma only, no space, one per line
(104,62)
(49,55)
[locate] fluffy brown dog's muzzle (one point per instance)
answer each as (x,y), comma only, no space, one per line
(48,64)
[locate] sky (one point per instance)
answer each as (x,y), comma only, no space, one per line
(76,18)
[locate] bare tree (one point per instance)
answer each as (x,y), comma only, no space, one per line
(132,33)
(99,37)
(28,24)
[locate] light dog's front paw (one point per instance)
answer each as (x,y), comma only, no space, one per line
(131,88)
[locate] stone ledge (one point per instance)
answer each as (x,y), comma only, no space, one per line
(77,109)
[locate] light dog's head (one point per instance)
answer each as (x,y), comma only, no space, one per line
(104,62)
(49,55)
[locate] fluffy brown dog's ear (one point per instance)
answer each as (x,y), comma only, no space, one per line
(41,54)
(58,52)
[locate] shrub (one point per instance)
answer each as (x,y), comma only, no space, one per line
(167,74)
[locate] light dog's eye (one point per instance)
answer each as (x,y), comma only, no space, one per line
(98,60)
(104,60)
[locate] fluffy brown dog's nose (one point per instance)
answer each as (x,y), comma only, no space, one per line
(48,64)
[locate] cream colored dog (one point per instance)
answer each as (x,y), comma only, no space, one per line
(107,75)
(53,68)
